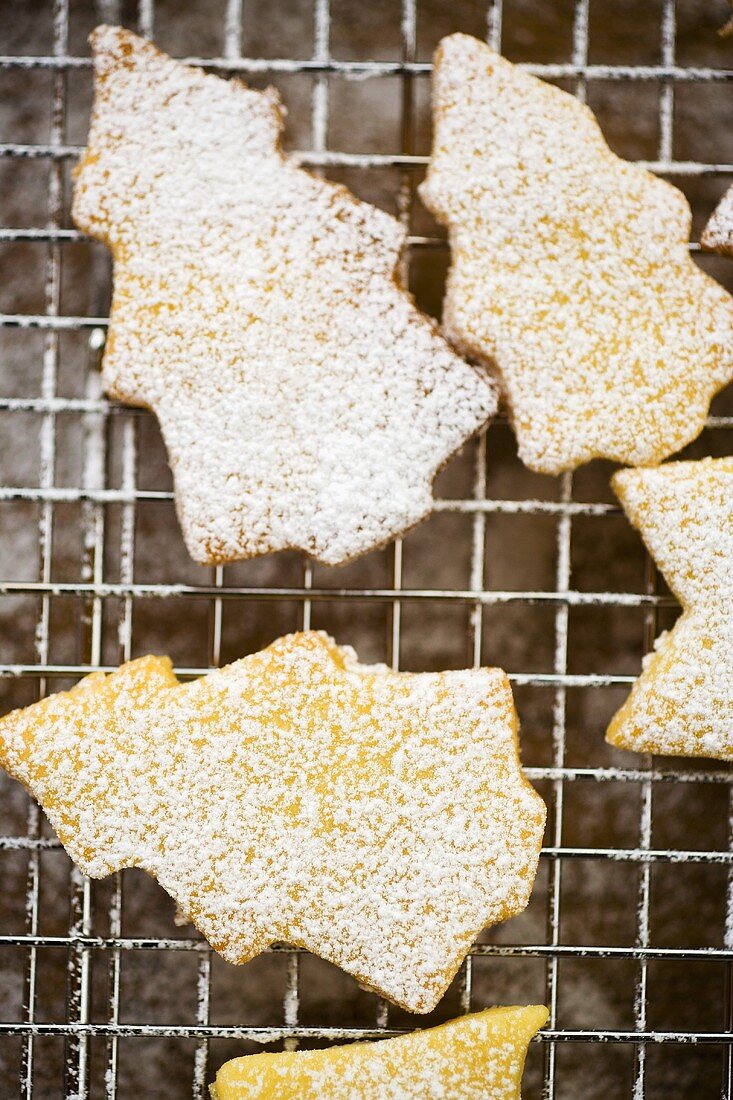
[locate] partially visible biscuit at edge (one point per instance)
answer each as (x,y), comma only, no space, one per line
(682,703)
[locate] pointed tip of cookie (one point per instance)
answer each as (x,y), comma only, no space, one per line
(622,478)
(460,44)
(637,477)
(633,484)
(717,235)
(114,46)
(466,53)
(108,36)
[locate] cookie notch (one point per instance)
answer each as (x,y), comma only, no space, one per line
(377,819)
(571,276)
(683,701)
(477,1057)
(304,400)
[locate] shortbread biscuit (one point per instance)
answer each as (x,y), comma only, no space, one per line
(305,402)
(682,704)
(477,1057)
(570,271)
(379,819)
(717,235)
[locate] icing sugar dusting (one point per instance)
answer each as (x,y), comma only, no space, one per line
(570,272)
(718,233)
(378,819)
(682,703)
(477,1057)
(305,402)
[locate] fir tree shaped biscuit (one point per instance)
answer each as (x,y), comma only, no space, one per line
(379,819)
(682,703)
(477,1057)
(570,270)
(304,400)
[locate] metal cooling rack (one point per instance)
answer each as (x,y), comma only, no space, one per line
(93,495)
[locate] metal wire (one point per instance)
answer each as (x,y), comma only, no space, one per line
(93,495)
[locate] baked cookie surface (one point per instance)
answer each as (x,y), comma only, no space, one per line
(304,401)
(571,275)
(378,819)
(477,1057)
(717,235)
(682,704)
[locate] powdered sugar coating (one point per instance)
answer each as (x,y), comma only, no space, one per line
(682,703)
(571,274)
(379,819)
(718,233)
(477,1057)
(304,400)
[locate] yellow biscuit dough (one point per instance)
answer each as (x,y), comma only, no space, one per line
(682,704)
(476,1057)
(304,401)
(571,275)
(378,819)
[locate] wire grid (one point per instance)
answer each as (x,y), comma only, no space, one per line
(93,496)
